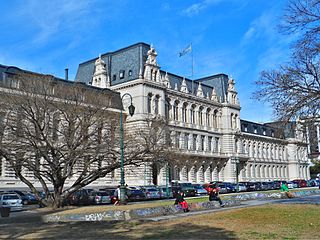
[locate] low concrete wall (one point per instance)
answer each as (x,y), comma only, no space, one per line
(119,215)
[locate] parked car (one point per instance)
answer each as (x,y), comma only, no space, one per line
(26,197)
(300,182)
(242,187)
(223,187)
(79,198)
(265,186)
(100,197)
(163,192)
(135,195)
(199,189)
(277,184)
(231,187)
(186,187)
(251,186)
(151,192)
(313,183)
(291,184)
(11,200)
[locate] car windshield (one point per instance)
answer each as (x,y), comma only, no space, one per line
(10,197)
(102,194)
(152,190)
(186,185)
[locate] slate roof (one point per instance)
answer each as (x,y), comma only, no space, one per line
(11,70)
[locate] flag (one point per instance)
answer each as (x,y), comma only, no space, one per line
(186,50)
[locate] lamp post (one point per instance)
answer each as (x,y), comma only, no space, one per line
(122,182)
(236,161)
(167,180)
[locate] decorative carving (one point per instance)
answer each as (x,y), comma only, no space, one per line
(184,87)
(200,91)
(99,78)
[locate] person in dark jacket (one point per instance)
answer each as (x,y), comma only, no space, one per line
(180,201)
(214,195)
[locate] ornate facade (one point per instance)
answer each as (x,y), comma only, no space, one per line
(204,121)
(203,118)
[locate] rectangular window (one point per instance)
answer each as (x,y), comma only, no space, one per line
(186,141)
(209,144)
(216,146)
(194,143)
(202,143)
(121,74)
(177,140)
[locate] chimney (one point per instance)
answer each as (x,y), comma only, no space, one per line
(66,73)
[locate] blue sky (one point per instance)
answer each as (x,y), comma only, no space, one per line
(235,37)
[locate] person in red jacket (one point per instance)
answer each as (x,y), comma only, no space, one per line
(180,201)
(214,195)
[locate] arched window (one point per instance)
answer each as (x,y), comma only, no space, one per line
(215,119)
(176,110)
(156,104)
(149,99)
(208,123)
(231,120)
(167,108)
(184,112)
(200,116)
(192,115)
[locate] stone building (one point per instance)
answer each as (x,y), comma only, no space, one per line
(203,117)
(27,86)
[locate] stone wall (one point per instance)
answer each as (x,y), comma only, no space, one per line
(121,215)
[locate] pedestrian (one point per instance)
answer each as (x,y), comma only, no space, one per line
(214,195)
(284,188)
(117,196)
(180,201)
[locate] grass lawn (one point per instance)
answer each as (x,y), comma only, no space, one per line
(263,222)
(101,208)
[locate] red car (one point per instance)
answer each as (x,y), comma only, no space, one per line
(300,182)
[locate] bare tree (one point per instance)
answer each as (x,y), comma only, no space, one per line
(293,89)
(56,131)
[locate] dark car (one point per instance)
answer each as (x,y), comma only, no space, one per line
(135,195)
(80,198)
(300,182)
(277,184)
(264,186)
(231,187)
(26,197)
(186,187)
(251,186)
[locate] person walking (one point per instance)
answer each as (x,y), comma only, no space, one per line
(182,202)
(284,188)
(117,196)
(214,195)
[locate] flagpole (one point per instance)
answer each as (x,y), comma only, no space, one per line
(191,66)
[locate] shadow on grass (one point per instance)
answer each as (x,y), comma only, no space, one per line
(112,230)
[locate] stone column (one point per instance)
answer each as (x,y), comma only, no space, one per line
(207,174)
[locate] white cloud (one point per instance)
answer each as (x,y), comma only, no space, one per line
(55,17)
(195,8)
(261,27)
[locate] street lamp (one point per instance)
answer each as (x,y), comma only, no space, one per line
(236,161)
(122,182)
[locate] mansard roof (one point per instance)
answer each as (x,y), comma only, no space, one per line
(133,58)
(8,71)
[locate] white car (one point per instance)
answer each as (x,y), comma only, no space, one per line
(11,200)
(291,185)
